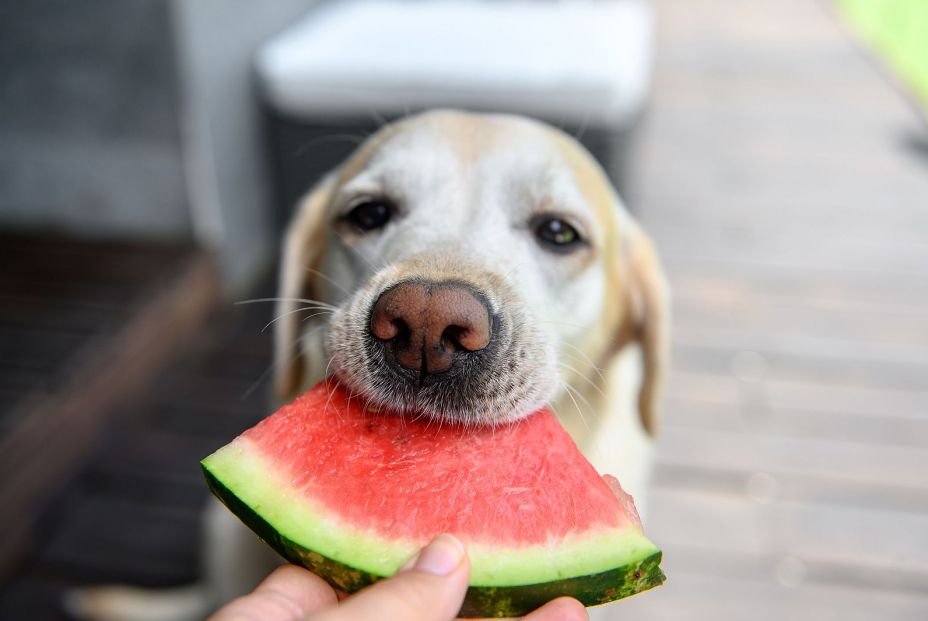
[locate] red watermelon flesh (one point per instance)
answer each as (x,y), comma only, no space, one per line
(353,493)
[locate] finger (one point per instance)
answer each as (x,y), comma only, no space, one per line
(560,609)
(289,594)
(432,589)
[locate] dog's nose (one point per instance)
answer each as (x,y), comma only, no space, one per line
(427,325)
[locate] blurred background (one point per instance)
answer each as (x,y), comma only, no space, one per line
(777,150)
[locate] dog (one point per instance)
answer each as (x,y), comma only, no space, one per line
(469,268)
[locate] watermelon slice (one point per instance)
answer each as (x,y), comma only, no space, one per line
(352,494)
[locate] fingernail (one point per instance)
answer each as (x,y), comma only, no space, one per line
(441,557)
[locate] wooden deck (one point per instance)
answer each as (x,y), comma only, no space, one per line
(131,514)
(782,178)
(786,184)
(82,326)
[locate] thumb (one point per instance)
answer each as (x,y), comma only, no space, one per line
(431,589)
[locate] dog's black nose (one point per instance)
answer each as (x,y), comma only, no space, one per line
(426,325)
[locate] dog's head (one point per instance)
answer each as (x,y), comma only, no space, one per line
(473,264)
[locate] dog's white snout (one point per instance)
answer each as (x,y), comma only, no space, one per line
(442,336)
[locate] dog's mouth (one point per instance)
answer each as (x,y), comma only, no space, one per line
(441,349)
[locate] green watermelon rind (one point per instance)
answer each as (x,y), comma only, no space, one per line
(262,483)
(480,601)
(256,503)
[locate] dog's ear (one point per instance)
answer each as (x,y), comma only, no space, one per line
(304,247)
(647,320)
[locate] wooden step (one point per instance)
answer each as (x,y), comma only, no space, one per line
(82,326)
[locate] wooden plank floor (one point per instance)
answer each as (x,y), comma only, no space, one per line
(59,296)
(131,514)
(778,174)
(82,326)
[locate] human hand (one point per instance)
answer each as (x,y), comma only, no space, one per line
(430,587)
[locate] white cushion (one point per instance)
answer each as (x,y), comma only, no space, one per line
(580,62)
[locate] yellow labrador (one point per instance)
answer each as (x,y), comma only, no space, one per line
(464,267)
(498,209)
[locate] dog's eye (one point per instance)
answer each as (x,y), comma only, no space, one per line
(557,235)
(370,215)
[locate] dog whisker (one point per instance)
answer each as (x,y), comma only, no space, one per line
(328,401)
(322,312)
(581,397)
(418,416)
(583,377)
(355,251)
(581,131)
(351,395)
(301,300)
(507,275)
(323,309)
(378,118)
(328,280)
(586,359)
(569,392)
(291,356)
(254,385)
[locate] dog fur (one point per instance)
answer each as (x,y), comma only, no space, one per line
(585,331)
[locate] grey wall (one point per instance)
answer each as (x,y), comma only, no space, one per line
(89,127)
(139,119)
(227,155)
